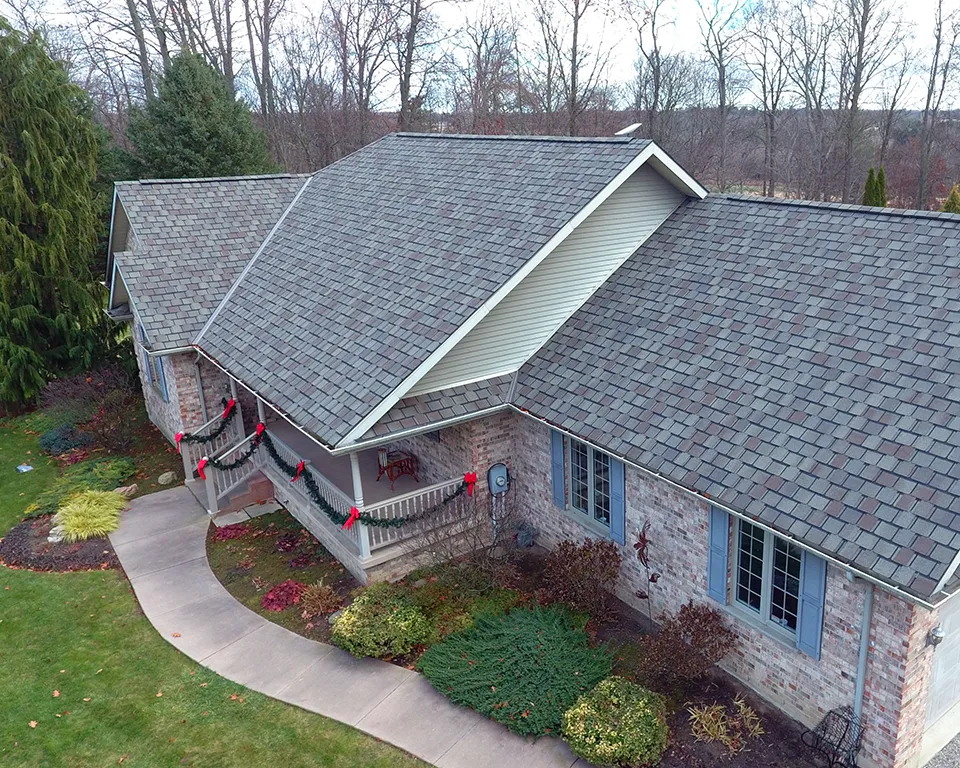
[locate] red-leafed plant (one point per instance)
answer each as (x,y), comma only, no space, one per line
(283,595)
(579,574)
(228,532)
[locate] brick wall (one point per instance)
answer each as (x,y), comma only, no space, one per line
(899,665)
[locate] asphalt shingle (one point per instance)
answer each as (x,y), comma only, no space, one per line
(386,253)
(191,239)
(751,341)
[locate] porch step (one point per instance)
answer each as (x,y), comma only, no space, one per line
(256,489)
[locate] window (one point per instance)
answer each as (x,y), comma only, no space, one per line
(152,366)
(768,576)
(589,491)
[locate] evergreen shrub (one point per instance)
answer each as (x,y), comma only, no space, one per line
(381,622)
(524,668)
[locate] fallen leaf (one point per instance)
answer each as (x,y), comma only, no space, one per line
(99,671)
(203,685)
(87,699)
(56,693)
(33,723)
(159,694)
(176,634)
(233,697)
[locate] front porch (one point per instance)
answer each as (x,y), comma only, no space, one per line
(344,482)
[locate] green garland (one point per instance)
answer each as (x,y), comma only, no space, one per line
(262,438)
(183,437)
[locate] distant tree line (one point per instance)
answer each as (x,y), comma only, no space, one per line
(784,97)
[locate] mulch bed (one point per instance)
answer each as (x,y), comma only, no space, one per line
(26,546)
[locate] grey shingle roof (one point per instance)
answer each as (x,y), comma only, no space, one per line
(442,405)
(389,251)
(191,240)
(797,362)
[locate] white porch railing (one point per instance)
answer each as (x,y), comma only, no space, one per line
(411,504)
(193,452)
(367,538)
(337,499)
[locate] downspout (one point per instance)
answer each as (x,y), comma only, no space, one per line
(866,619)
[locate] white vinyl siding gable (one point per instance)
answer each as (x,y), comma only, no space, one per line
(526,318)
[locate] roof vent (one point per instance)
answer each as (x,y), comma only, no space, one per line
(628,130)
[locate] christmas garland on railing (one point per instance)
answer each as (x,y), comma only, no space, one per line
(229,411)
(346,521)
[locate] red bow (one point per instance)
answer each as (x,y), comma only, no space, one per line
(230,404)
(261,428)
(200,465)
(177,438)
(300,468)
(354,516)
(471,480)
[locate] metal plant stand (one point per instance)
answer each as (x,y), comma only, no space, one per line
(838,737)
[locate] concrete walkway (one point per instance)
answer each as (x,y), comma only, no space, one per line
(161,545)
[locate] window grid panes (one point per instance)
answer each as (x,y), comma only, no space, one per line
(785,595)
(768,572)
(579,477)
(750,566)
(590,482)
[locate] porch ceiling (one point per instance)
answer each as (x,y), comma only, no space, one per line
(337,468)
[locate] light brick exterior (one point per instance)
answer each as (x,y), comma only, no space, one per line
(900,661)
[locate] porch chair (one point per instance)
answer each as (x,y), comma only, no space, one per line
(395,464)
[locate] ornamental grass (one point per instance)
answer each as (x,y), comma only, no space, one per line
(524,668)
(90,514)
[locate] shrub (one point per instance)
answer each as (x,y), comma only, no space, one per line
(103,475)
(382,621)
(524,668)
(319,599)
(63,439)
(617,723)
(729,726)
(686,648)
(74,399)
(90,514)
(114,418)
(283,595)
(577,575)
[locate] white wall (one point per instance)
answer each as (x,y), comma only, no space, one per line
(559,285)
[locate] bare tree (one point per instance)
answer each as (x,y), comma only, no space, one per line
(416,56)
(895,87)
(871,32)
(485,76)
(260,17)
(722,25)
(946,31)
(767,44)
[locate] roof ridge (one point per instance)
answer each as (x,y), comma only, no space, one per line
(212,179)
(521,137)
(833,206)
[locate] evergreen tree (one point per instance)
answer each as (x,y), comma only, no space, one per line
(881,189)
(196,128)
(870,189)
(953,201)
(50,318)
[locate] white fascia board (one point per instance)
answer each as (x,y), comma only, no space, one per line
(252,261)
(669,168)
(390,400)
(110,260)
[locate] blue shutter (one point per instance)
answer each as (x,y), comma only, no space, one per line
(813,586)
(163,380)
(618,501)
(558,481)
(717,555)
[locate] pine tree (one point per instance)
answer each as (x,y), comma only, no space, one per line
(870,189)
(196,128)
(50,318)
(953,201)
(881,189)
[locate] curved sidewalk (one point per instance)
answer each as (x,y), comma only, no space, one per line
(161,544)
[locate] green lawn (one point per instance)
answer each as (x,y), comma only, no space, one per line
(85,680)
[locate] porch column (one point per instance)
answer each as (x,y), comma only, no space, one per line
(261,413)
(358,502)
(236,398)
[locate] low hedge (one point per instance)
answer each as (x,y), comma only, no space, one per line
(102,475)
(617,723)
(381,622)
(524,668)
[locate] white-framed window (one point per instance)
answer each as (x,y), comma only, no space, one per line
(152,366)
(767,576)
(588,490)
